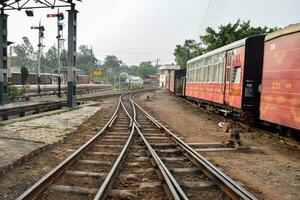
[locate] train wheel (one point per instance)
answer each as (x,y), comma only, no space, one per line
(247,117)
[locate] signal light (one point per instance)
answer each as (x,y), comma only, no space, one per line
(60,27)
(60,16)
(42,28)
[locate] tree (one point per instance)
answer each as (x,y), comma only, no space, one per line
(213,39)
(50,59)
(229,33)
(86,59)
(24,53)
(145,69)
(133,70)
(24,75)
(112,62)
(187,51)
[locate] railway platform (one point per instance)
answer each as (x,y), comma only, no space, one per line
(23,139)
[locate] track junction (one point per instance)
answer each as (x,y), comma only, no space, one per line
(134,156)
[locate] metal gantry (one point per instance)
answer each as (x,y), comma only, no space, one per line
(30,5)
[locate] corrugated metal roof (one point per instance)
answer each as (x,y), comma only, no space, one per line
(221,49)
(284,31)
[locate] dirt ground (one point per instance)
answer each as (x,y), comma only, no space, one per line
(21,178)
(270,171)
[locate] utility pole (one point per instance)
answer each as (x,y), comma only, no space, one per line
(40,46)
(72,42)
(157,61)
(3,58)
(60,17)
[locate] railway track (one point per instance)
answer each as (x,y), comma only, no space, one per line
(135,157)
(34,108)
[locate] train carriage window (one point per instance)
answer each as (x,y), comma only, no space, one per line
(216,73)
(204,74)
(211,73)
(237,75)
(199,74)
(221,72)
(207,74)
(228,65)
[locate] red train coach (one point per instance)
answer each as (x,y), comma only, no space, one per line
(228,78)
(177,81)
(280,95)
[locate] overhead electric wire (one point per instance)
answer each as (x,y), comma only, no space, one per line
(213,12)
(209,6)
(219,12)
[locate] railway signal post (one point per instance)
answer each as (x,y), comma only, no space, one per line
(60,17)
(29,6)
(3,59)
(71,61)
(41,30)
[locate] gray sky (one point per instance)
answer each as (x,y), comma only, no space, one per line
(141,30)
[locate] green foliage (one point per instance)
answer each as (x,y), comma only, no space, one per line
(86,59)
(187,51)
(133,70)
(13,91)
(49,61)
(112,62)
(229,33)
(26,88)
(24,75)
(24,53)
(145,69)
(214,39)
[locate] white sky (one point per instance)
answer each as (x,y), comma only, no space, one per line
(142,30)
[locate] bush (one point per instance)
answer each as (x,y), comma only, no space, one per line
(24,75)
(26,88)
(13,91)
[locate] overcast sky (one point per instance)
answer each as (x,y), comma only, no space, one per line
(142,30)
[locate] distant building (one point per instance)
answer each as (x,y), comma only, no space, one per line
(163,70)
(134,80)
(151,80)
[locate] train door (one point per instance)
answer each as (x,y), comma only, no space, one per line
(183,85)
(228,75)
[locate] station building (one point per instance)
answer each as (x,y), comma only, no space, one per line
(163,71)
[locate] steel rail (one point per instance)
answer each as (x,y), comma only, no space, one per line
(227,185)
(174,187)
(131,120)
(175,190)
(134,111)
(102,192)
(46,180)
